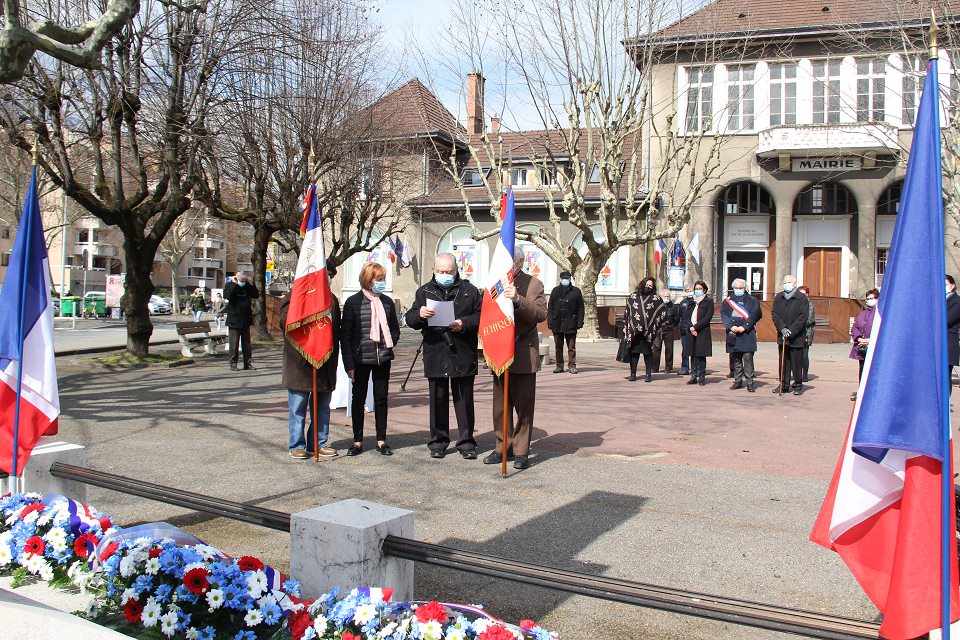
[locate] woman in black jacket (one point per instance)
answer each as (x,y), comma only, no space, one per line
(700,317)
(368,333)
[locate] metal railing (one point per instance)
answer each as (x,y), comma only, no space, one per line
(732,610)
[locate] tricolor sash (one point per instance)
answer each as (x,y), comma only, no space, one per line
(738,309)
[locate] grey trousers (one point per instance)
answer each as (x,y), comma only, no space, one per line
(743,367)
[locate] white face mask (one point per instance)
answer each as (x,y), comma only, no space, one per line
(871,302)
(788,286)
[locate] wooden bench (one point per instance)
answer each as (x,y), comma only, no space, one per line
(197,334)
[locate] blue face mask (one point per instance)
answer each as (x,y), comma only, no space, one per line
(787,287)
(739,292)
(380,286)
(698,294)
(565,282)
(242,283)
(444,279)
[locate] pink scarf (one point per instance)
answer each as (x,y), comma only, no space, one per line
(378,319)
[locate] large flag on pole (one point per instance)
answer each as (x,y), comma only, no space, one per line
(496,314)
(309,325)
(29,401)
(886,512)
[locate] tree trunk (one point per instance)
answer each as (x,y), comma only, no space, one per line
(175,286)
(139,288)
(261,239)
(586,274)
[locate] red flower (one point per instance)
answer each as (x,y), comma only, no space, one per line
(196,580)
(431,611)
(34,546)
(84,544)
(496,632)
(108,551)
(132,610)
(30,508)
(153,553)
(299,623)
(528,624)
(350,636)
(249,563)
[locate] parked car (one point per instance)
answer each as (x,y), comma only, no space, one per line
(158,306)
(56,307)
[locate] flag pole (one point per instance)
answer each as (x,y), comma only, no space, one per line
(316,413)
(506,418)
(946,477)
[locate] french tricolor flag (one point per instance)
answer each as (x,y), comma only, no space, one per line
(309,325)
(889,511)
(29,401)
(496,313)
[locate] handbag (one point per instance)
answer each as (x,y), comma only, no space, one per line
(623,351)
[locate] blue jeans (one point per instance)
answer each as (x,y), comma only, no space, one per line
(196,318)
(298,404)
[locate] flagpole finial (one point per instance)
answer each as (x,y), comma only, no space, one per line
(36,151)
(934,30)
(311,161)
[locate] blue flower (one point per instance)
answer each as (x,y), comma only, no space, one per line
(143,583)
(271,613)
(231,597)
(185,595)
(245,635)
(184,621)
(291,587)
(162,594)
(206,633)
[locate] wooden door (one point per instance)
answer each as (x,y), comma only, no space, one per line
(821,270)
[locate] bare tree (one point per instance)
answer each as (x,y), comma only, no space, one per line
(178,243)
(304,92)
(588,70)
(27,31)
(139,120)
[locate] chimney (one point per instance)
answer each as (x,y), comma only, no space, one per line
(474,103)
(495,124)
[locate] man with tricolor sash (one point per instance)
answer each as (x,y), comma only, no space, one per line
(740,314)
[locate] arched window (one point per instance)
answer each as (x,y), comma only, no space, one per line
(746,198)
(380,253)
(614,277)
(471,255)
(825,199)
(536,262)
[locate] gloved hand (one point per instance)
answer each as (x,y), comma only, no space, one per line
(785,332)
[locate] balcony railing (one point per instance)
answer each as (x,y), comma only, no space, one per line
(96,249)
(846,138)
(210,263)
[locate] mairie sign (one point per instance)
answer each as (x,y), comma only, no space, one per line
(826,164)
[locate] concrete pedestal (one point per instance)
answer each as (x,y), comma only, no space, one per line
(36,474)
(339,544)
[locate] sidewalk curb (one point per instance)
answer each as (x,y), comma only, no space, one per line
(106,348)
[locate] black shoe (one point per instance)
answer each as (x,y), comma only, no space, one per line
(233,367)
(751,388)
(798,391)
(385,449)
(781,390)
(736,385)
(469,454)
(572,370)
(806,378)
(632,378)
(702,382)
(684,372)
(355,450)
(493,458)
(522,462)
(648,379)
(692,381)
(559,369)
(249,367)
(438,454)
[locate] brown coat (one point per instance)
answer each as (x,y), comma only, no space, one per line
(297,373)
(529,309)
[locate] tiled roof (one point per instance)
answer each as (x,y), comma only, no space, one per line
(409,110)
(759,16)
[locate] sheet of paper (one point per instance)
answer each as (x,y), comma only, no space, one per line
(442,313)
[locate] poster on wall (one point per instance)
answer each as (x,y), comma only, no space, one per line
(675,276)
(605,278)
(533,261)
(114,291)
(466,257)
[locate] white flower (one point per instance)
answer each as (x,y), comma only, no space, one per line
(265,600)
(387,631)
(46,571)
(32,516)
(127,594)
(168,623)
(33,563)
(256,583)
(193,633)
(432,630)
(308,634)
(320,624)
(480,625)
(128,566)
(152,566)
(5,556)
(364,614)
(206,551)
(455,634)
(151,613)
(57,538)
(215,598)
(93,607)
(253,617)
(43,519)
(6,537)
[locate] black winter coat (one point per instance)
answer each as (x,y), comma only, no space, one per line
(703,341)
(297,373)
(745,342)
(673,317)
(565,309)
(355,343)
(953,329)
(239,304)
(446,353)
(684,309)
(791,313)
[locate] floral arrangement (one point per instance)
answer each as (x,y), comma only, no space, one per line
(52,538)
(158,581)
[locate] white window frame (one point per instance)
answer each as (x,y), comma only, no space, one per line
(831,82)
(871,85)
(741,97)
(698,115)
(516,174)
(780,81)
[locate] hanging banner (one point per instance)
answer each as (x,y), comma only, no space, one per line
(675,276)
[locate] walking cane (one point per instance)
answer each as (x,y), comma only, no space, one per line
(403,387)
(783,363)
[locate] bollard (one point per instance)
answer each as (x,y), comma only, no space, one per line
(340,544)
(36,473)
